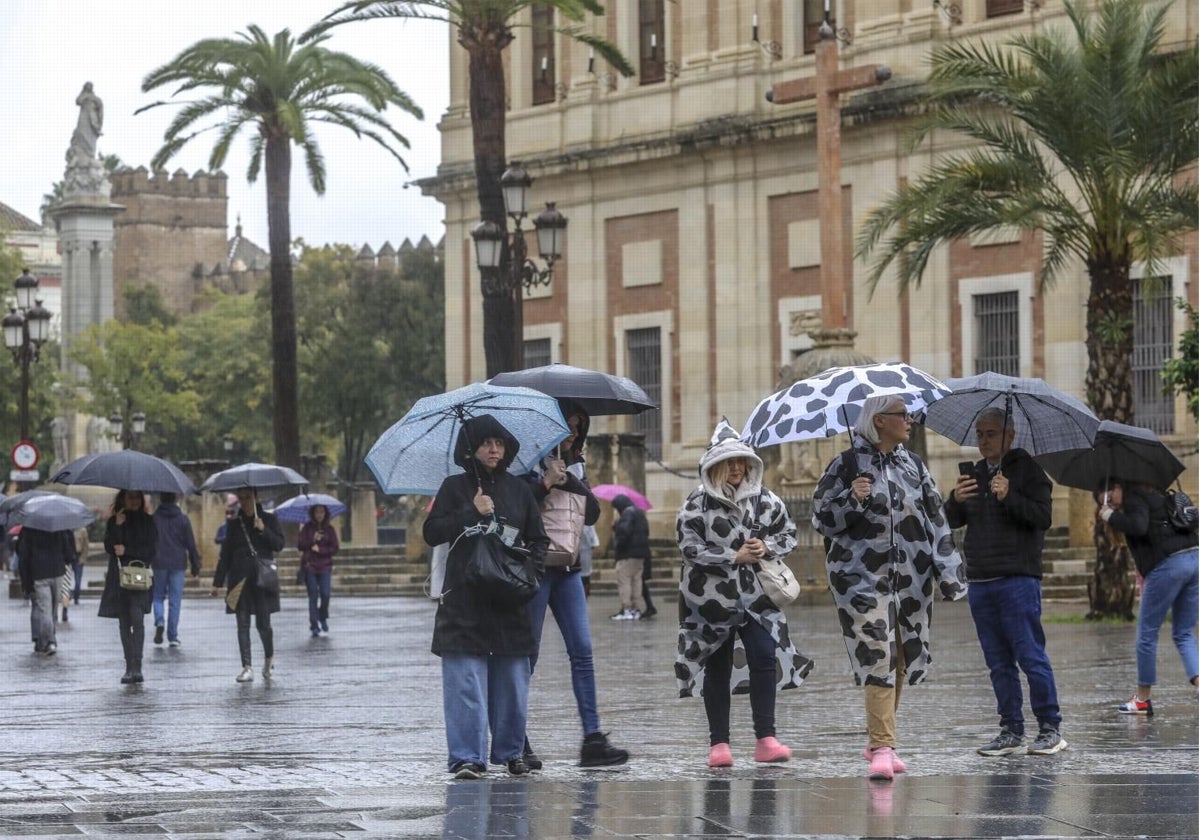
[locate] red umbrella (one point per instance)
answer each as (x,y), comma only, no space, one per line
(608,492)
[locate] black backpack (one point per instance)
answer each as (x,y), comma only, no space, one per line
(1181,512)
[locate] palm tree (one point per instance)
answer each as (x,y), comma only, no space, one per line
(1088,136)
(485,29)
(279,89)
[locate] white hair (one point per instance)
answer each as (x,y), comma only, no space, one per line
(865,425)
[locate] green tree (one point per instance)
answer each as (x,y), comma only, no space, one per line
(1181,375)
(1086,135)
(280,91)
(485,29)
(144,305)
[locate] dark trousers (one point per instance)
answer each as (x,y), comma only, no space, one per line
(249,605)
(760,658)
(78,569)
(646,587)
(133,629)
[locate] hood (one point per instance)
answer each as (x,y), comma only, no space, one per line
(727,444)
(477,429)
(621,501)
(168,511)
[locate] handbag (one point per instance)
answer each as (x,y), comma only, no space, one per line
(266,575)
(135,576)
(778,581)
(502,574)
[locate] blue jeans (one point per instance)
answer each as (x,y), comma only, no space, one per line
(482,694)
(1008,621)
(562,592)
(318,585)
(1172,584)
(168,586)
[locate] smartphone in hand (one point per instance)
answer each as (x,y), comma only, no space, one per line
(966,468)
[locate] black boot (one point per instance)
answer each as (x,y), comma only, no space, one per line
(598,752)
(137,671)
(531,759)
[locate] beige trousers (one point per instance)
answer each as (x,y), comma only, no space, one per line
(629,583)
(882,703)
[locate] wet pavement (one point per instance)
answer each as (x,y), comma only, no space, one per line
(347,739)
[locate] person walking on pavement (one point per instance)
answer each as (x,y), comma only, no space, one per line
(176,552)
(725,527)
(1004,502)
(631,547)
(568,506)
(484,645)
(253,535)
(130,535)
(318,544)
(889,543)
(81,545)
(1167,560)
(45,556)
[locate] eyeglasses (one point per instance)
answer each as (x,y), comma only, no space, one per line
(908,418)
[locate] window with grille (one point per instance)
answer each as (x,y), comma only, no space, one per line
(998,8)
(998,333)
(1153,344)
(651,48)
(543,54)
(814,14)
(537,352)
(643,349)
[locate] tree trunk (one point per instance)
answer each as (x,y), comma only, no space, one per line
(1109,386)
(502,326)
(286,420)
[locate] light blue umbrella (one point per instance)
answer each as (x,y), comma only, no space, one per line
(52,512)
(296,508)
(417,453)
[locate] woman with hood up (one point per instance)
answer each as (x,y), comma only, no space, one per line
(485,646)
(725,527)
(889,543)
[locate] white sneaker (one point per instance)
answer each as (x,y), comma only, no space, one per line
(174,643)
(635,615)
(623,615)
(246,675)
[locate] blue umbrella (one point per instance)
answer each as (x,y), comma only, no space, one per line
(417,453)
(296,508)
(53,512)
(126,469)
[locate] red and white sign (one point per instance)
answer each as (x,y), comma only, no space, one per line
(25,455)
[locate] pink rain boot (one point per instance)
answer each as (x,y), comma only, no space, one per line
(720,756)
(898,765)
(881,764)
(770,750)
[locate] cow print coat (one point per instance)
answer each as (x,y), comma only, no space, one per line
(717,596)
(884,558)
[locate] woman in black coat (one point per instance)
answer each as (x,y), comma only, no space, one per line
(251,538)
(130,535)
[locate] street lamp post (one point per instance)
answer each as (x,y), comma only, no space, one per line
(26,329)
(137,427)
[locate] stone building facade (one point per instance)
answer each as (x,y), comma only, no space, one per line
(692,261)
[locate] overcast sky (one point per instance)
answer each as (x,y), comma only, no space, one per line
(49,48)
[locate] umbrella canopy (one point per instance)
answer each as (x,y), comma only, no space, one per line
(10,503)
(417,453)
(1130,453)
(596,392)
(296,508)
(258,476)
(608,492)
(829,403)
(52,512)
(1044,418)
(126,469)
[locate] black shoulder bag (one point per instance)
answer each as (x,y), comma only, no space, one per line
(266,575)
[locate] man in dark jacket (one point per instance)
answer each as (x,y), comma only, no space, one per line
(176,551)
(484,644)
(1005,504)
(631,547)
(44,559)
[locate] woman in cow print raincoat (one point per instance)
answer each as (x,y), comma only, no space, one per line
(889,544)
(726,524)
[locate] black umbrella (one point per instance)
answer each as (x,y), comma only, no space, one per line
(1129,453)
(594,391)
(257,476)
(126,469)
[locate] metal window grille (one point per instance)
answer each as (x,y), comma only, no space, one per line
(1153,344)
(998,331)
(643,349)
(651,47)
(537,352)
(814,14)
(997,8)
(543,54)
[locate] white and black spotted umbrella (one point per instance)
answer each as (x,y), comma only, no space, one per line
(1044,418)
(829,403)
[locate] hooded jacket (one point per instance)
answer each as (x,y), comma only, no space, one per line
(176,541)
(467,621)
(718,596)
(631,533)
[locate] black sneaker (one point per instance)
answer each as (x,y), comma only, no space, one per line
(1006,743)
(598,752)
(650,612)
(518,767)
(64,616)
(531,759)
(158,634)
(468,770)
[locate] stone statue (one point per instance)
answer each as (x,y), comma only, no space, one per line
(87,129)
(58,431)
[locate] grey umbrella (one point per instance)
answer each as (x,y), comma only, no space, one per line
(595,391)
(257,476)
(52,512)
(1129,453)
(10,503)
(1044,418)
(126,469)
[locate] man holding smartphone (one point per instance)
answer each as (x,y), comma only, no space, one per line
(1004,500)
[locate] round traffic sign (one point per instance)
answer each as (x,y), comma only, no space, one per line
(25,455)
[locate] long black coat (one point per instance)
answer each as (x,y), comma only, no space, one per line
(237,560)
(140,538)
